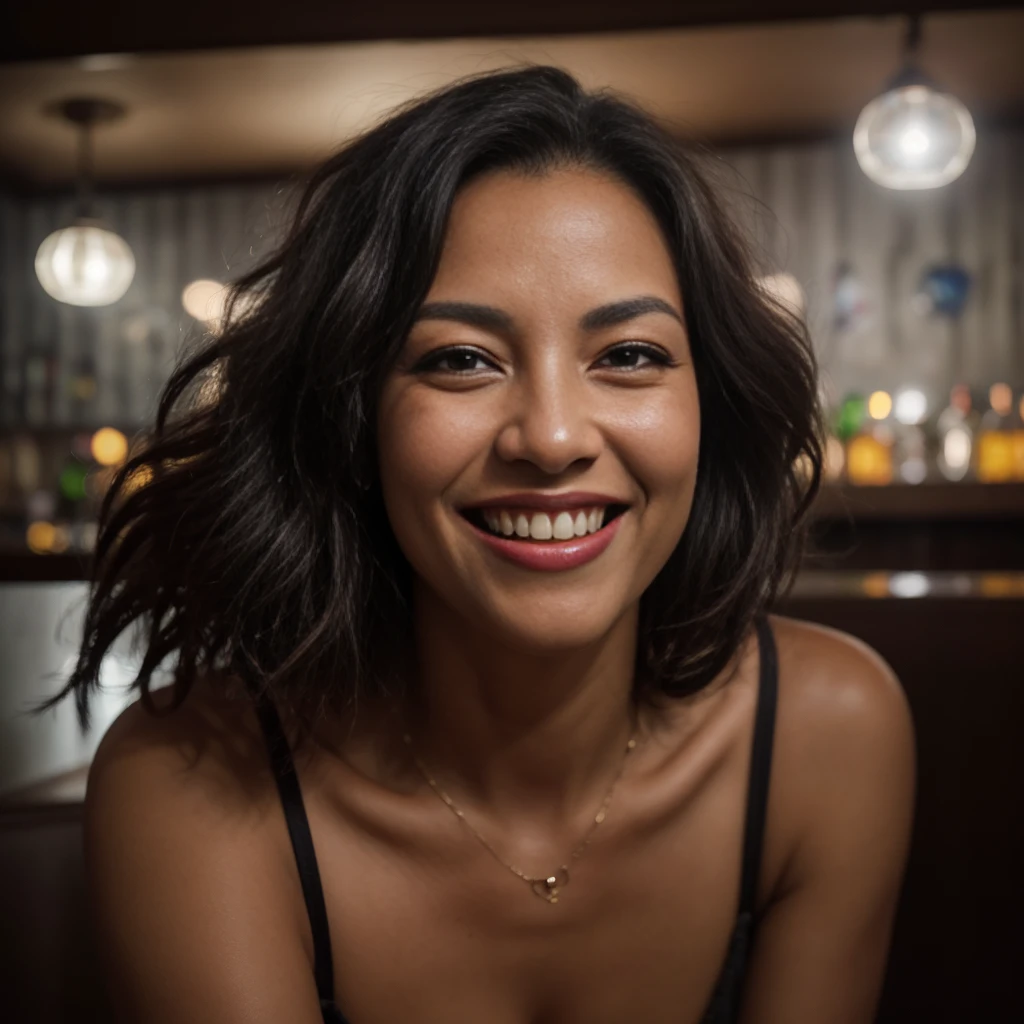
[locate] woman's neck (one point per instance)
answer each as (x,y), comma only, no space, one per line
(528,737)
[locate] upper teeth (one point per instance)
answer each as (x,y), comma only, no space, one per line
(540,526)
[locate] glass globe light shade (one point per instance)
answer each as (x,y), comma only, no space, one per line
(85,264)
(914,137)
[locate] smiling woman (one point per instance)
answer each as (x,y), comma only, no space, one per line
(490,502)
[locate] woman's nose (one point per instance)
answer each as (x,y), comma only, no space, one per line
(550,421)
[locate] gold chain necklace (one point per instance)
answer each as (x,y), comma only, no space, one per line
(546,887)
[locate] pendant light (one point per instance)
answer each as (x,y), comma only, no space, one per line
(86,263)
(913,136)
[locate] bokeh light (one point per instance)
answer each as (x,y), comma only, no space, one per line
(879,405)
(205,300)
(868,461)
(109,446)
(1000,397)
(835,458)
(909,584)
(786,290)
(910,405)
(40,537)
(72,481)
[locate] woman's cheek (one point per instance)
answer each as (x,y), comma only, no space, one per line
(421,462)
(661,439)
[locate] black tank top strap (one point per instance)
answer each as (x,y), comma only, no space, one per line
(760,765)
(283,767)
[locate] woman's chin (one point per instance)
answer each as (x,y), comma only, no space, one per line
(544,631)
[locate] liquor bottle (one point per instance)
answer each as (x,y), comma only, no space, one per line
(994,461)
(868,444)
(955,435)
(869,457)
(910,453)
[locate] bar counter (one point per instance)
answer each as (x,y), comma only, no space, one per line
(956,641)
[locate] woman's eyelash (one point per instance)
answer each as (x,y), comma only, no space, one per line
(651,352)
(434,360)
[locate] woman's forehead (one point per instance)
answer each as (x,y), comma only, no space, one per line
(568,235)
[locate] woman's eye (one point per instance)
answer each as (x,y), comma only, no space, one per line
(627,357)
(454,360)
(466,361)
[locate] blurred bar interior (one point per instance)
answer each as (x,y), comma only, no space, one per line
(912,288)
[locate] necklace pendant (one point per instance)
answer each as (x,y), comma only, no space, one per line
(549,888)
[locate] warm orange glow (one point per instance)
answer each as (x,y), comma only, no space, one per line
(995,457)
(997,585)
(40,537)
(109,446)
(868,461)
(876,584)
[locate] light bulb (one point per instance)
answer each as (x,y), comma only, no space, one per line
(85,264)
(914,137)
(915,141)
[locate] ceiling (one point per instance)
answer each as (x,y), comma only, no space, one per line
(267,110)
(46,29)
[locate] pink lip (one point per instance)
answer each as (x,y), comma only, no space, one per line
(548,555)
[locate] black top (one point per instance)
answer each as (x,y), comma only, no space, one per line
(724,1003)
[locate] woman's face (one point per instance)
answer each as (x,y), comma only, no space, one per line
(548,377)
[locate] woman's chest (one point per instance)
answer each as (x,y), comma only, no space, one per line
(639,933)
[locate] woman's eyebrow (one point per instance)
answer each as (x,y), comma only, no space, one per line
(487,317)
(493,319)
(615,313)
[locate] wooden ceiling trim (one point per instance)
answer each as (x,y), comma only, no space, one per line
(53,29)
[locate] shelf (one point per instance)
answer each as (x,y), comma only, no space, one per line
(26,567)
(921,503)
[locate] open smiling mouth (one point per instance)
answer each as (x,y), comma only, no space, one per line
(526,525)
(543,541)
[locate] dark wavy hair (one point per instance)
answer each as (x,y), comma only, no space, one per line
(247,537)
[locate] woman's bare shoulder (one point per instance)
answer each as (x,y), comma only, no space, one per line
(832,679)
(197,901)
(210,746)
(844,733)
